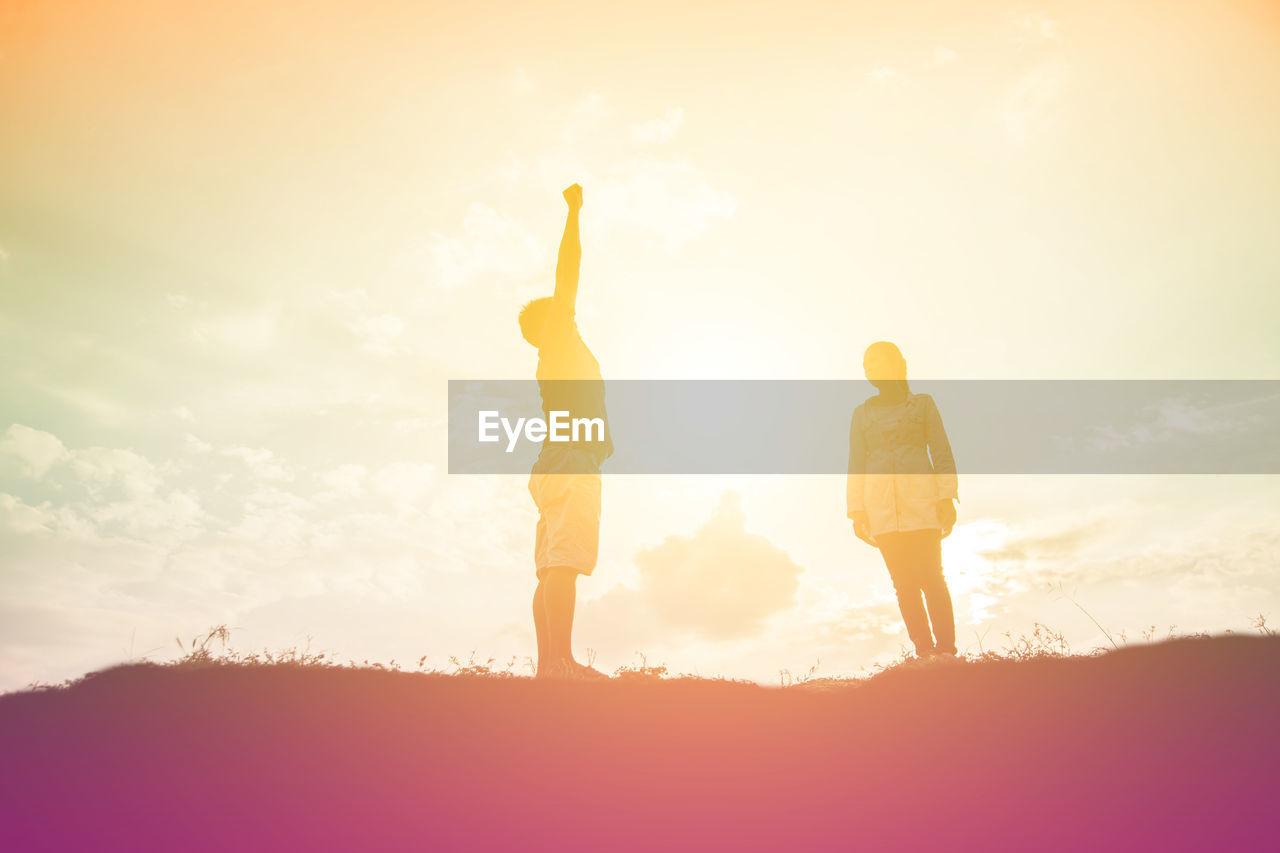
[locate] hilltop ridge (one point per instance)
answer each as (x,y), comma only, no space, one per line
(1171,745)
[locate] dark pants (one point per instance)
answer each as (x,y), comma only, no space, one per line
(914,560)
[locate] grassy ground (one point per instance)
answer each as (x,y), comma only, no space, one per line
(1170,745)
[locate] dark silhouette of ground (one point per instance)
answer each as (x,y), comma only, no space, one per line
(1169,746)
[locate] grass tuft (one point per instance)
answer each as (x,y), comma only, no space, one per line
(1043,642)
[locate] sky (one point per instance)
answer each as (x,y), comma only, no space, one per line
(244,246)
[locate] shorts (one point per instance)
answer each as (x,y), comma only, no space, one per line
(568,511)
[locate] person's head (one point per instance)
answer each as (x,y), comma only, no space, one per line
(533,316)
(883,364)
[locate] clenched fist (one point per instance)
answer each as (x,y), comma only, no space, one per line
(573,195)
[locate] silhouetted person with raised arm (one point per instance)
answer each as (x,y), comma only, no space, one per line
(565,481)
(901,488)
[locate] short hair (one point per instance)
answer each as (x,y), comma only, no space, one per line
(891,351)
(533,316)
(888,348)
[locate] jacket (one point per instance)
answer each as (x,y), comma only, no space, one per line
(900,465)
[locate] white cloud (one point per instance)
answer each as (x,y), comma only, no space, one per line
(109,469)
(1175,417)
(670,199)
(102,493)
(260,461)
(33,451)
(721,583)
(659,129)
(274,516)
(343,482)
(98,537)
(19,517)
(177,513)
(491,244)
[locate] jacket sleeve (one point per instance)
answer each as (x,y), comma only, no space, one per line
(944,463)
(855,492)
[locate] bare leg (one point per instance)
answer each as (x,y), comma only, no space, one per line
(540,623)
(560,592)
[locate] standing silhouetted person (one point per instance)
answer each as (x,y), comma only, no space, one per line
(902,481)
(565,481)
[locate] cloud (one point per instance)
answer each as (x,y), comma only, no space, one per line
(261,462)
(1175,417)
(491,244)
(343,482)
(659,129)
(31,451)
(1049,545)
(104,470)
(721,583)
(1114,544)
(670,199)
(91,495)
(877,623)
(104,537)
(19,517)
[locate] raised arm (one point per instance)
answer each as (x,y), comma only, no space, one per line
(570,257)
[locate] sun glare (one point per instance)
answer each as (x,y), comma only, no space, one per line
(710,356)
